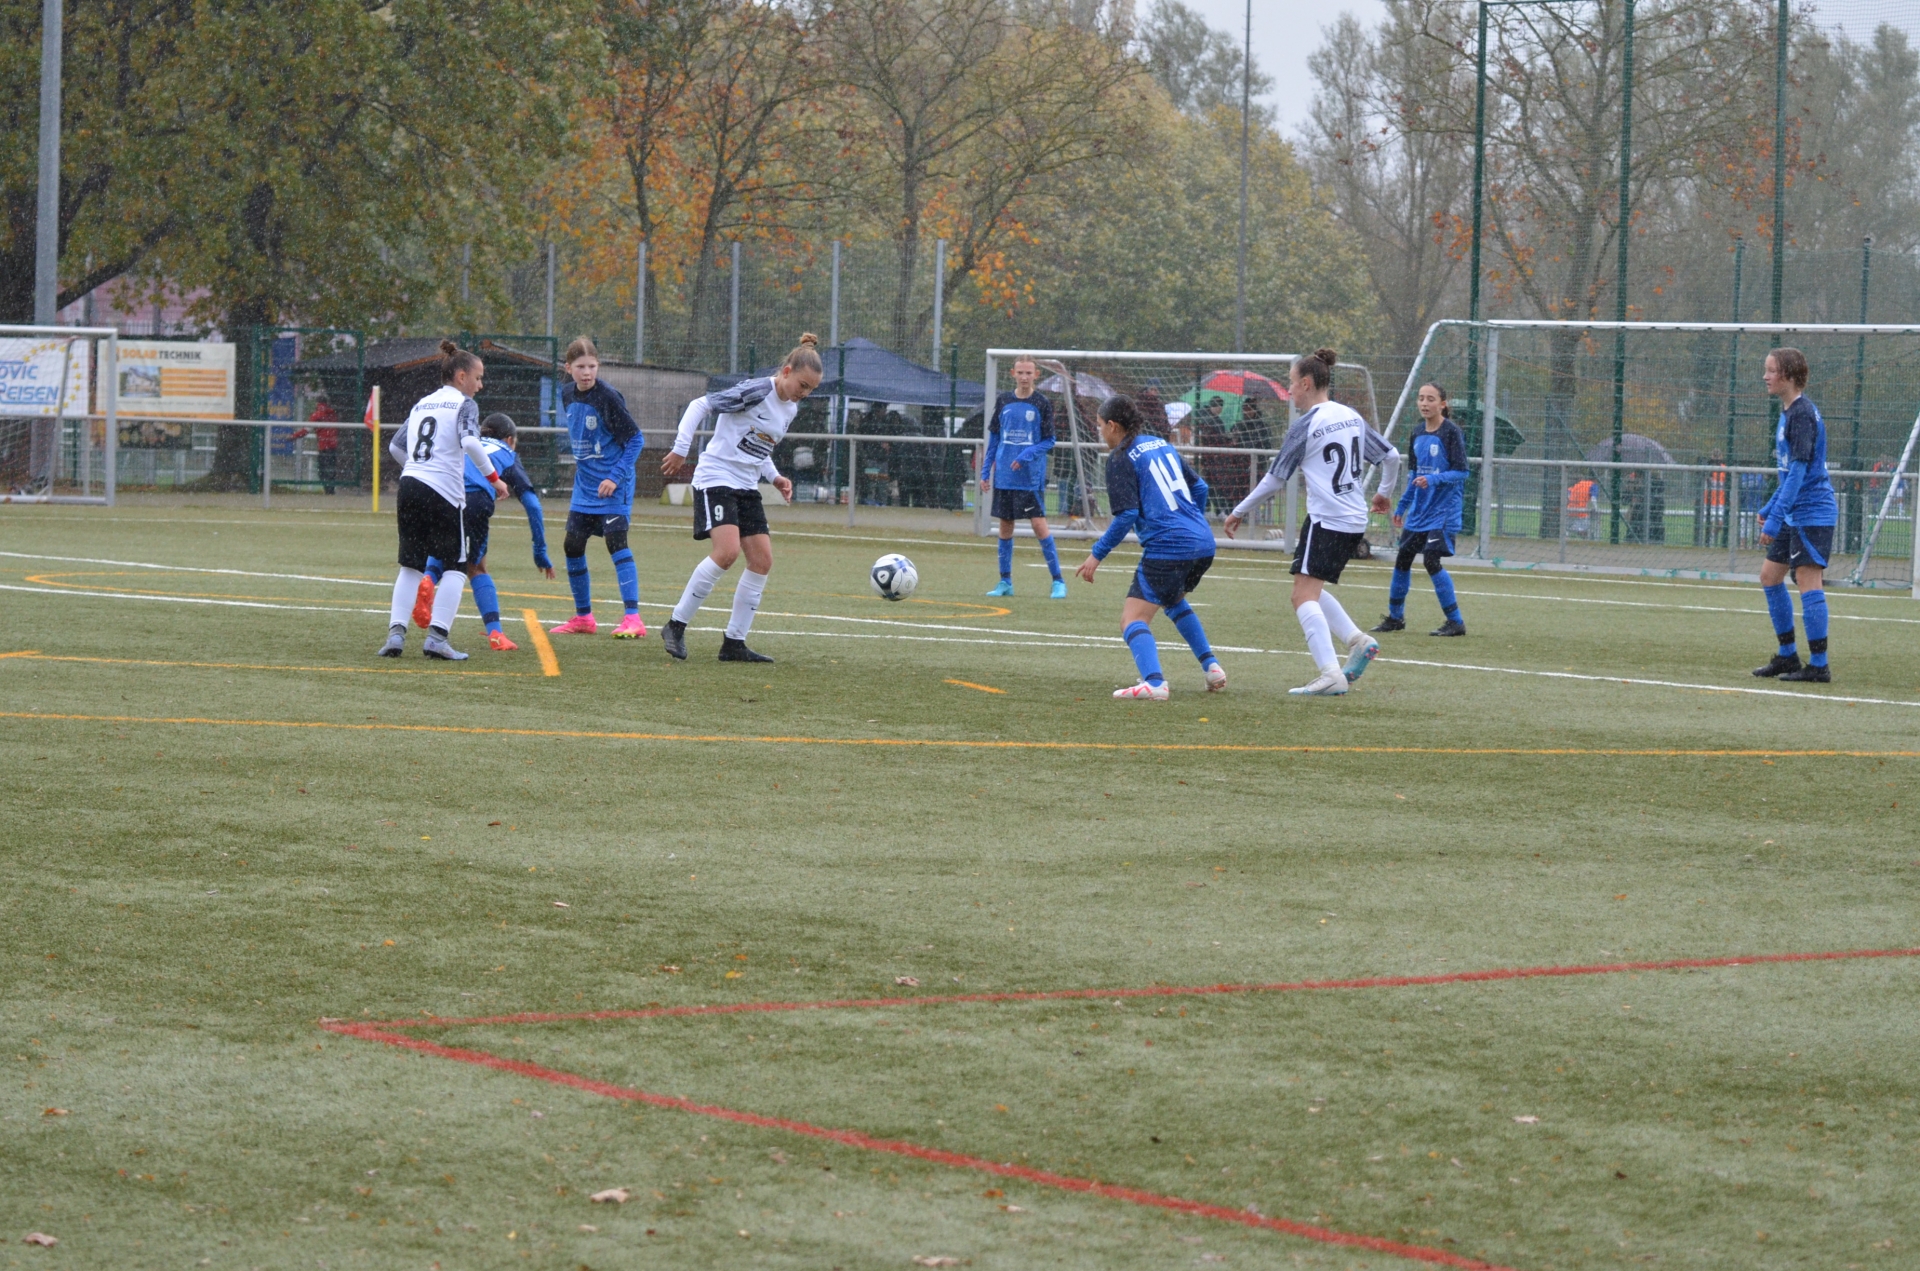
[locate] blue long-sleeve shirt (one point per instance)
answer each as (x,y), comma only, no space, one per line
(1441,457)
(606,446)
(514,475)
(1805,495)
(1021,431)
(1152,491)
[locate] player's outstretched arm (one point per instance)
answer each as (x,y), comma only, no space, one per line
(675,461)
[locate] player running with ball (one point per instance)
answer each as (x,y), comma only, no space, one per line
(748,421)
(1331,445)
(1152,491)
(441,434)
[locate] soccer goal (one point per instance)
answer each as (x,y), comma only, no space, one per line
(55,447)
(1227,412)
(1647,447)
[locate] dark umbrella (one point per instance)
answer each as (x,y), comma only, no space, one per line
(1633,449)
(1244,384)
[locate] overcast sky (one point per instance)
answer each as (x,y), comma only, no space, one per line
(1285,32)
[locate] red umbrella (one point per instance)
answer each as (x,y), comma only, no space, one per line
(1244,383)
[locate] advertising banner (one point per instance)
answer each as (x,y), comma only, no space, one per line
(31,369)
(176,379)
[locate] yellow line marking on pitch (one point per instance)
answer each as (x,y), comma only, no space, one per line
(982,687)
(549,664)
(37,656)
(948,744)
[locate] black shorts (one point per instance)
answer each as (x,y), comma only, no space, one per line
(1017,505)
(1424,542)
(595,524)
(722,505)
(476,519)
(429,526)
(1802,545)
(1167,582)
(1322,553)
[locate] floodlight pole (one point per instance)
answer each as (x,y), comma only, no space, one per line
(1858,491)
(1246,128)
(46,243)
(551,254)
(1733,358)
(1621,232)
(1479,190)
(1779,160)
(733,319)
(939,294)
(640,307)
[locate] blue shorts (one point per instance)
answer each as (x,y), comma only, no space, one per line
(1167,582)
(1017,505)
(1802,545)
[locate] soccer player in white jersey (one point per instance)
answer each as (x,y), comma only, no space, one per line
(442,432)
(1332,446)
(748,421)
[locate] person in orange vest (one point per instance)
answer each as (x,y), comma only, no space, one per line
(1580,500)
(1716,496)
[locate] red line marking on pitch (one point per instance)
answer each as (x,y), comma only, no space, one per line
(899,1147)
(385,1033)
(1157,990)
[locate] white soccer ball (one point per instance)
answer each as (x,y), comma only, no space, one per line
(894,577)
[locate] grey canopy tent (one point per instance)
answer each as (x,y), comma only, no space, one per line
(864,372)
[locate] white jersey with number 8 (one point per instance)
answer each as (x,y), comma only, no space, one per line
(433,442)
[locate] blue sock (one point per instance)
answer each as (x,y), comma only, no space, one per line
(434,570)
(1443,588)
(582,586)
(1006,559)
(1397,593)
(1146,654)
(1052,554)
(1780,608)
(1187,622)
(487,596)
(1813,611)
(629,576)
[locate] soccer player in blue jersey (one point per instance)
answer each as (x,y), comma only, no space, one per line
(1797,523)
(606,446)
(1153,492)
(1429,512)
(500,440)
(1019,435)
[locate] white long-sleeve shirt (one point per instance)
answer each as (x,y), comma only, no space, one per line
(442,431)
(748,421)
(1332,445)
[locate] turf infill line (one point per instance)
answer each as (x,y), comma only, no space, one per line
(916,1151)
(1152,990)
(946,743)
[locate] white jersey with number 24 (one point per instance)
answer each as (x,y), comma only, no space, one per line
(1332,446)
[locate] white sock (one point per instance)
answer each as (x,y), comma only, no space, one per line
(446,601)
(699,587)
(1313,621)
(746,602)
(405,588)
(1343,627)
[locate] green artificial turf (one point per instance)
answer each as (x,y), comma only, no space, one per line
(183,902)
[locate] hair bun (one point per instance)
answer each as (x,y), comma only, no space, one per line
(809,340)
(448,348)
(1327,356)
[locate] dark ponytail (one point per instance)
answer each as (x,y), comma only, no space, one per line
(453,358)
(1318,367)
(1121,411)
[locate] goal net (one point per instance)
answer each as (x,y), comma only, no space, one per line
(52,448)
(1227,412)
(1648,448)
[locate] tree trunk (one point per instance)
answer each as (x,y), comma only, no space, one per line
(237,451)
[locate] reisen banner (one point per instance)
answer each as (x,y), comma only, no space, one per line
(34,369)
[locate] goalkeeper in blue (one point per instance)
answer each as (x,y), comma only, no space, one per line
(500,440)
(1429,512)
(1796,525)
(1014,469)
(1153,492)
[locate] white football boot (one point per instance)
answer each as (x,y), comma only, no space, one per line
(1216,678)
(1361,650)
(1143,692)
(1327,684)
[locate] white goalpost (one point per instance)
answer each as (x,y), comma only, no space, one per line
(1646,447)
(49,382)
(1227,412)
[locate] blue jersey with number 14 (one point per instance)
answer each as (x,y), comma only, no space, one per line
(1153,492)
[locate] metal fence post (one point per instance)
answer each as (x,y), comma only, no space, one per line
(266,466)
(1489,426)
(1733,519)
(1563,513)
(853,476)
(108,386)
(980,476)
